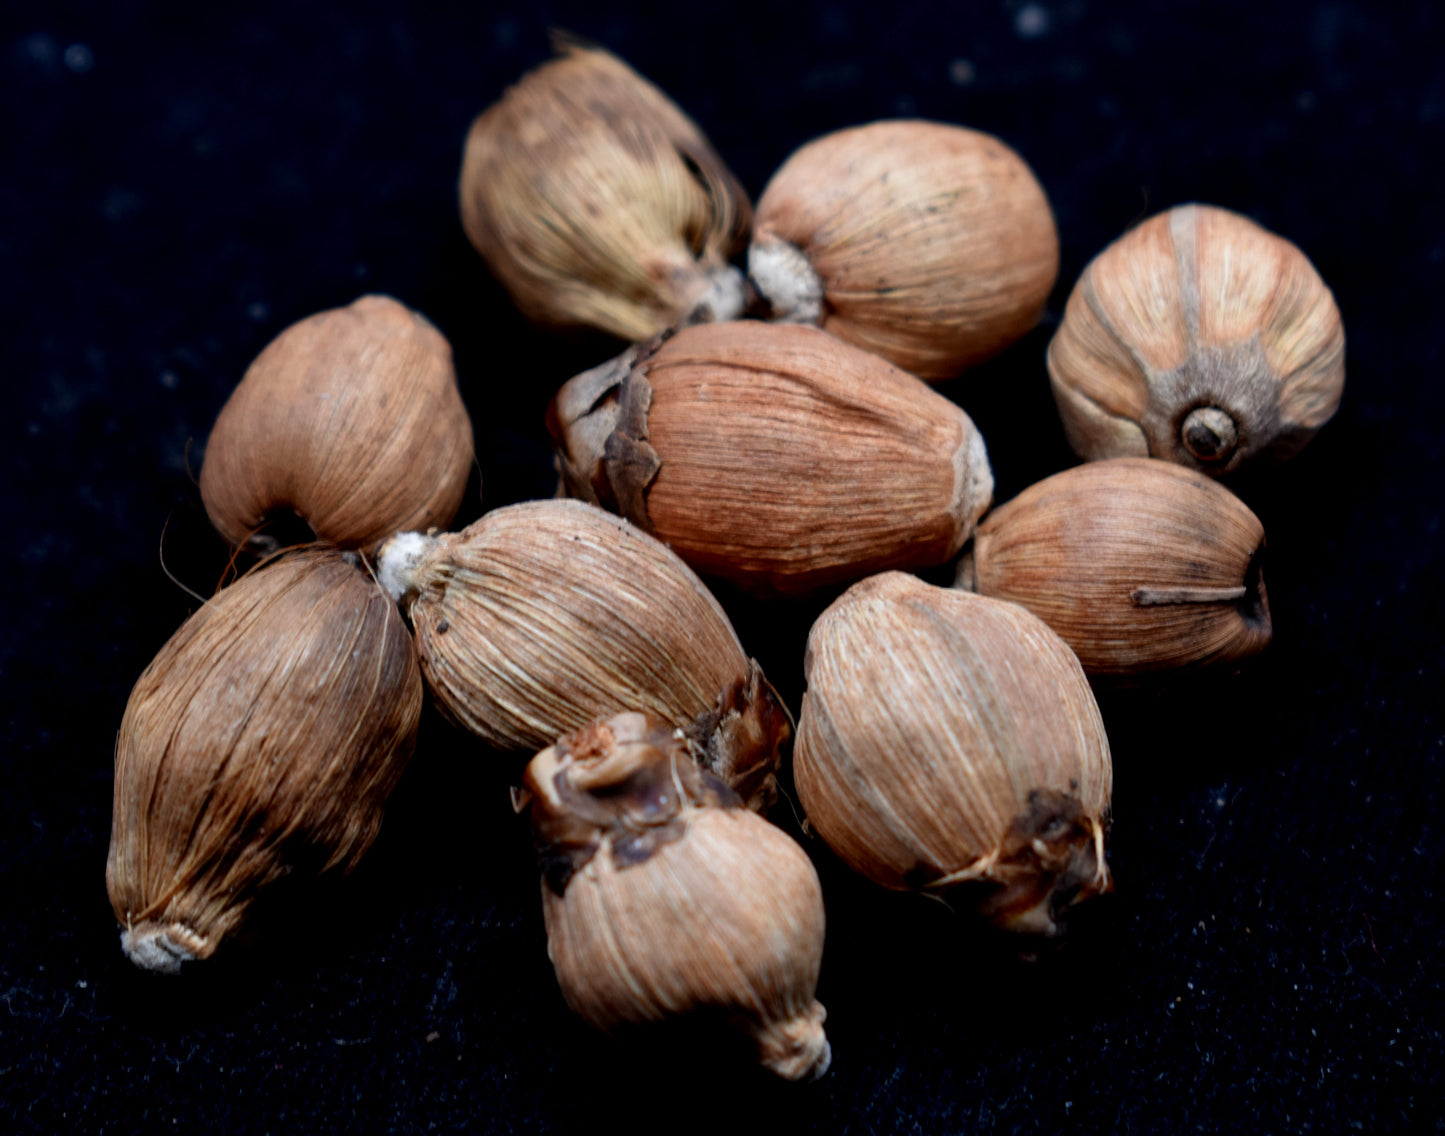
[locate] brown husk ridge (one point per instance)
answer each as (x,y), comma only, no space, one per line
(598,423)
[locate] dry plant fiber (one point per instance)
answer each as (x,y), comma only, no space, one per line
(262,741)
(598,203)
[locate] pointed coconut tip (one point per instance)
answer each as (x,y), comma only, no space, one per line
(723,299)
(796,1049)
(161,948)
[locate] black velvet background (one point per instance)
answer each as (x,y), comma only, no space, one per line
(180,182)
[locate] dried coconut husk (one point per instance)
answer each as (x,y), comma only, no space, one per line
(597,203)
(950,743)
(350,419)
(773,456)
(1200,338)
(665,899)
(543,616)
(929,244)
(1141,566)
(262,742)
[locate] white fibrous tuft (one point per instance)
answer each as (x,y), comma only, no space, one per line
(398,560)
(724,300)
(155,949)
(978,494)
(782,273)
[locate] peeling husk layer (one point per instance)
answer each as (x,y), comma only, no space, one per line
(1199,338)
(1140,565)
(350,419)
(543,616)
(664,899)
(598,203)
(931,245)
(950,743)
(262,741)
(773,456)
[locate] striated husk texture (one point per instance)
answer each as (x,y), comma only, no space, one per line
(262,741)
(931,245)
(1140,565)
(664,899)
(1199,338)
(543,616)
(598,203)
(774,456)
(950,742)
(352,420)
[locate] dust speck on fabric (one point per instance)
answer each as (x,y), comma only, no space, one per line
(1032,21)
(79,58)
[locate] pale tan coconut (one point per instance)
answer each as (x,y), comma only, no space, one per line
(1199,338)
(950,743)
(597,203)
(931,245)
